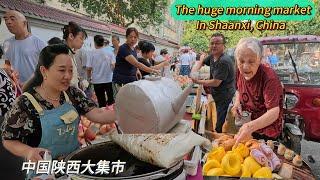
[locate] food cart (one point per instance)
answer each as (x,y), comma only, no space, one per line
(193,166)
(102,148)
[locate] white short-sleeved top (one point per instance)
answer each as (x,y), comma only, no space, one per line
(101,64)
(23,55)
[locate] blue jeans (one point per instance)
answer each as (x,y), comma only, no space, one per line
(185,70)
(222,110)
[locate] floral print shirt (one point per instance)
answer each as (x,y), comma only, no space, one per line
(22,122)
(7,95)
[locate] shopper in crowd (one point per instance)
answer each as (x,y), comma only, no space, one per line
(115,44)
(174,61)
(109,49)
(100,70)
(222,76)
(7,96)
(54,40)
(21,52)
(147,51)
(164,56)
(186,62)
(7,93)
(127,65)
(193,54)
(74,37)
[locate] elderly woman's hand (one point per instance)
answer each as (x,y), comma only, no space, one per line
(245,133)
(236,110)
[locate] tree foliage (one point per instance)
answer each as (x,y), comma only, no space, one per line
(199,39)
(124,12)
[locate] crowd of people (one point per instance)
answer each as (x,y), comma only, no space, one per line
(55,78)
(52,80)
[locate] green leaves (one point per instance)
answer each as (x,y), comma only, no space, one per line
(124,12)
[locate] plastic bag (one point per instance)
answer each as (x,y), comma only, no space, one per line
(163,150)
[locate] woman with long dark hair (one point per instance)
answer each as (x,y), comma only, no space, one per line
(46,116)
(74,37)
(127,64)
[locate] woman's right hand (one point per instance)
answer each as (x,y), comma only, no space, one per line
(235,110)
(34,154)
(156,71)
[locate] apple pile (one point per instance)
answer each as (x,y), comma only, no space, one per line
(183,81)
(89,130)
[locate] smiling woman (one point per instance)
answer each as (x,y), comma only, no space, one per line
(259,92)
(46,116)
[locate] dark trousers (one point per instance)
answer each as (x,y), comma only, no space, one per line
(222,110)
(10,165)
(101,90)
(173,67)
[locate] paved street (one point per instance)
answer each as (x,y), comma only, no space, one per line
(312,148)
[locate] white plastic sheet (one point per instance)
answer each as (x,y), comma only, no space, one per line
(146,106)
(163,150)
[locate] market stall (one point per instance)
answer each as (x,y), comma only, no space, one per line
(220,159)
(253,159)
(176,134)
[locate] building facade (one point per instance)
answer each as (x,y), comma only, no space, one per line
(46,21)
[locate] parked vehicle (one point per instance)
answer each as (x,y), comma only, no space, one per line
(296,59)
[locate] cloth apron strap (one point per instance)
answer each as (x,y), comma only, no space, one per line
(37,105)
(34,102)
(66,97)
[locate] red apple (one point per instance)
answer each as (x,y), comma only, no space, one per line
(86,123)
(103,129)
(81,134)
(90,134)
(81,141)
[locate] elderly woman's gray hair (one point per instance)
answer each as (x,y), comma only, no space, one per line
(250,43)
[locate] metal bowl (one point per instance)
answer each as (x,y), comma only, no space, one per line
(133,169)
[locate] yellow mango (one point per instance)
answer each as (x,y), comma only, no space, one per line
(264,172)
(246,173)
(237,154)
(231,164)
(242,149)
(252,164)
(210,164)
(215,172)
(217,154)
